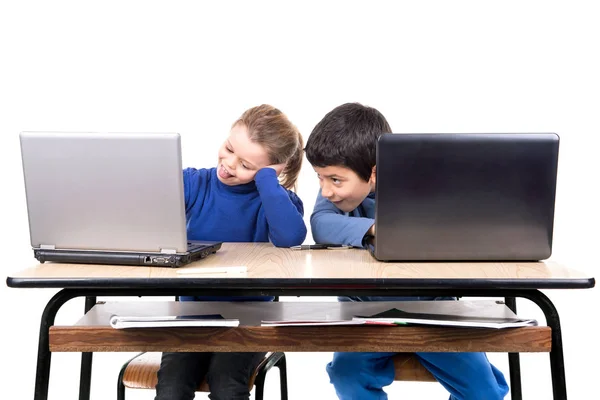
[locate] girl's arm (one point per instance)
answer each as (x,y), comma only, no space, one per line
(194,186)
(283,210)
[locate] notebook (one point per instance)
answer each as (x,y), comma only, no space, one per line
(465,197)
(107,198)
(396,316)
(212,320)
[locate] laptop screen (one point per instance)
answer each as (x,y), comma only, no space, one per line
(465,196)
(104,191)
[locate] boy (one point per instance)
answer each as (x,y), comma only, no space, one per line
(342,151)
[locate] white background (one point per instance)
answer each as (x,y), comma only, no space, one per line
(194,67)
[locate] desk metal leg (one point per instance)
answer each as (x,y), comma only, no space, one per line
(85,378)
(43,362)
(514,364)
(557,362)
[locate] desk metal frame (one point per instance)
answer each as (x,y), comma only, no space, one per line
(510,289)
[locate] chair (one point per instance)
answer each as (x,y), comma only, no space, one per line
(409,368)
(141,373)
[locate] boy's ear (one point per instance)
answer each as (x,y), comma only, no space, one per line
(373,176)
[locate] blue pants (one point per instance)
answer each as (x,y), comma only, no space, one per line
(467,376)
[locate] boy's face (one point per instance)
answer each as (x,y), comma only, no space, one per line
(240,158)
(343,187)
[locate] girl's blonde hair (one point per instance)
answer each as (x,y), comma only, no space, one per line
(270,128)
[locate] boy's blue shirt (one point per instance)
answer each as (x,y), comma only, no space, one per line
(259,211)
(329,224)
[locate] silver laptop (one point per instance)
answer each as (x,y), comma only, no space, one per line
(107,198)
(465,197)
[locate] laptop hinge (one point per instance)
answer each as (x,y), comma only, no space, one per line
(47,247)
(168,251)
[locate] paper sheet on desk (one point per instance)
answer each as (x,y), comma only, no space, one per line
(235,270)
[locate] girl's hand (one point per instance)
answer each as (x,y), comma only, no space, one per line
(277,167)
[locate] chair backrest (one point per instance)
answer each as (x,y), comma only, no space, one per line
(141,372)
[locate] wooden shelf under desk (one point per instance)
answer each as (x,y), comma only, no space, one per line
(93,333)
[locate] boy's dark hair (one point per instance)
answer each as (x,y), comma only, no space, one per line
(347,136)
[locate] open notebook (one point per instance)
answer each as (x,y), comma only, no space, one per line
(399,317)
(447,313)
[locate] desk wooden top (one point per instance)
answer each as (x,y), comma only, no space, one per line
(270,267)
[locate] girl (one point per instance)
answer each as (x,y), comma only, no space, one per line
(241,200)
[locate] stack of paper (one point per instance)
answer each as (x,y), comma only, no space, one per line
(458,314)
(317,322)
(213,320)
(396,316)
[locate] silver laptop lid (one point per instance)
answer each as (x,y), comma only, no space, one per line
(104,191)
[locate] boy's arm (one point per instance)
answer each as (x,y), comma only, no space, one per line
(331,225)
(283,210)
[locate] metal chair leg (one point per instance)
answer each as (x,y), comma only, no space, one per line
(275,360)
(120,384)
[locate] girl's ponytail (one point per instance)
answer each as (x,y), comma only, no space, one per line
(289,176)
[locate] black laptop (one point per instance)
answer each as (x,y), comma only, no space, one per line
(465,197)
(107,198)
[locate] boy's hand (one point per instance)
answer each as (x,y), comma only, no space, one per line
(371,231)
(370,236)
(277,167)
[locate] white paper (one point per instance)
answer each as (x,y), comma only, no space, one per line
(124,322)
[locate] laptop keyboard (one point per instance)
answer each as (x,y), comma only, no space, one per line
(195,245)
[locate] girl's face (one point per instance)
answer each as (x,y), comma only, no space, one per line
(239,158)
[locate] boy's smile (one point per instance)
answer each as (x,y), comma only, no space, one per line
(343,187)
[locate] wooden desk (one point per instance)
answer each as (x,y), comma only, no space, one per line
(273,271)
(271,268)
(93,332)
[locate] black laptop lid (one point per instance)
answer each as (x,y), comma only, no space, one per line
(479,197)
